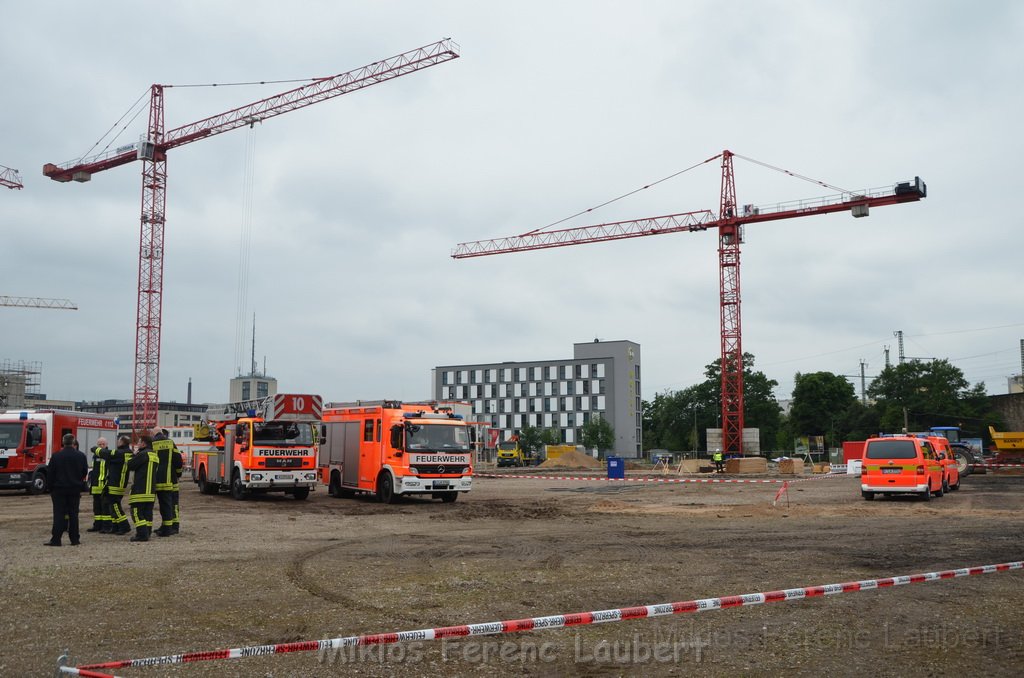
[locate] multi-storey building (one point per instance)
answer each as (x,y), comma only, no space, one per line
(602,379)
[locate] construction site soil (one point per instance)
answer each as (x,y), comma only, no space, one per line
(273,569)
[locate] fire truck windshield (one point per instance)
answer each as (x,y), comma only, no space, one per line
(282,433)
(10,435)
(437,437)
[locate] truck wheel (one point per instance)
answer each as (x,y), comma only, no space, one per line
(867,495)
(301,493)
(206,487)
(237,489)
(386,489)
(964,460)
(38,483)
(448,497)
(334,488)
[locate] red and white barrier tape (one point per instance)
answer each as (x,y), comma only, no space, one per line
(552,622)
(994,465)
(632,480)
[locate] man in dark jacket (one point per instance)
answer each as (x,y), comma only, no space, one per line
(143,468)
(117,481)
(65,481)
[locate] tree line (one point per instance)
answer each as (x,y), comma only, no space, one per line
(915,395)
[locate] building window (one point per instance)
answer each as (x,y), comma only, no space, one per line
(521,374)
(506,374)
(552,372)
(538,373)
(478,376)
(246,390)
(600,371)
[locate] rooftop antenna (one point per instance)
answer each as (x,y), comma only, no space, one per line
(253,363)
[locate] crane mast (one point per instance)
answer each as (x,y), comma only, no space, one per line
(152,151)
(730,222)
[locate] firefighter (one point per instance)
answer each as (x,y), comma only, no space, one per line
(117,481)
(98,487)
(143,467)
(168,472)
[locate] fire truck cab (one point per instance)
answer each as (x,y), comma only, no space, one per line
(28,438)
(259,446)
(391,449)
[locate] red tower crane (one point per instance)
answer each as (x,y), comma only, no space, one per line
(10,178)
(729,221)
(152,151)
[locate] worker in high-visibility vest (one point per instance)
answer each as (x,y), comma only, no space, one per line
(717,458)
(98,487)
(143,467)
(168,471)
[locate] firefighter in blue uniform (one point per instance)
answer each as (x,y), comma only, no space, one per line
(98,488)
(143,467)
(117,482)
(168,472)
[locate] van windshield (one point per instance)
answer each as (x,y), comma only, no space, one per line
(891,449)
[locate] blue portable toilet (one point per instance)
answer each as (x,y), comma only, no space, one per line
(616,468)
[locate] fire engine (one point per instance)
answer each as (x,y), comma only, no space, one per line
(259,446)
(29,437)
(392,449)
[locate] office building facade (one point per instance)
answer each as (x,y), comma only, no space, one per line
(602,379)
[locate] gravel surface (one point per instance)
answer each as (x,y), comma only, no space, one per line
(273,569)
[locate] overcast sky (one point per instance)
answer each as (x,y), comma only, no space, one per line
(552,108)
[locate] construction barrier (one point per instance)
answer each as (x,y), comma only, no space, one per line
(550,622)
(635,480)
(994,465)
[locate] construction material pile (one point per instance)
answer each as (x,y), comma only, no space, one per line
(573,459)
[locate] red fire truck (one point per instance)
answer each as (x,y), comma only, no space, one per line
(29,437)
(391,449)
(259,446)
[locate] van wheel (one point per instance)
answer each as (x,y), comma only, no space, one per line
(867,495)
(38,484)
(945,485)
(942,488)
(386,489)
(927,494)
(237,489)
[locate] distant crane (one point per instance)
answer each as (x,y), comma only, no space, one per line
(38,302)
(152,151)
(10,178)
(729,221)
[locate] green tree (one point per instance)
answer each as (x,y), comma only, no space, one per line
(930,393)
(551,436)
(599,433)
(669,420)
(761,409)
(820,402)
(530,438)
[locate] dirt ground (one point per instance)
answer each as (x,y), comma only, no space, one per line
(273,569)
